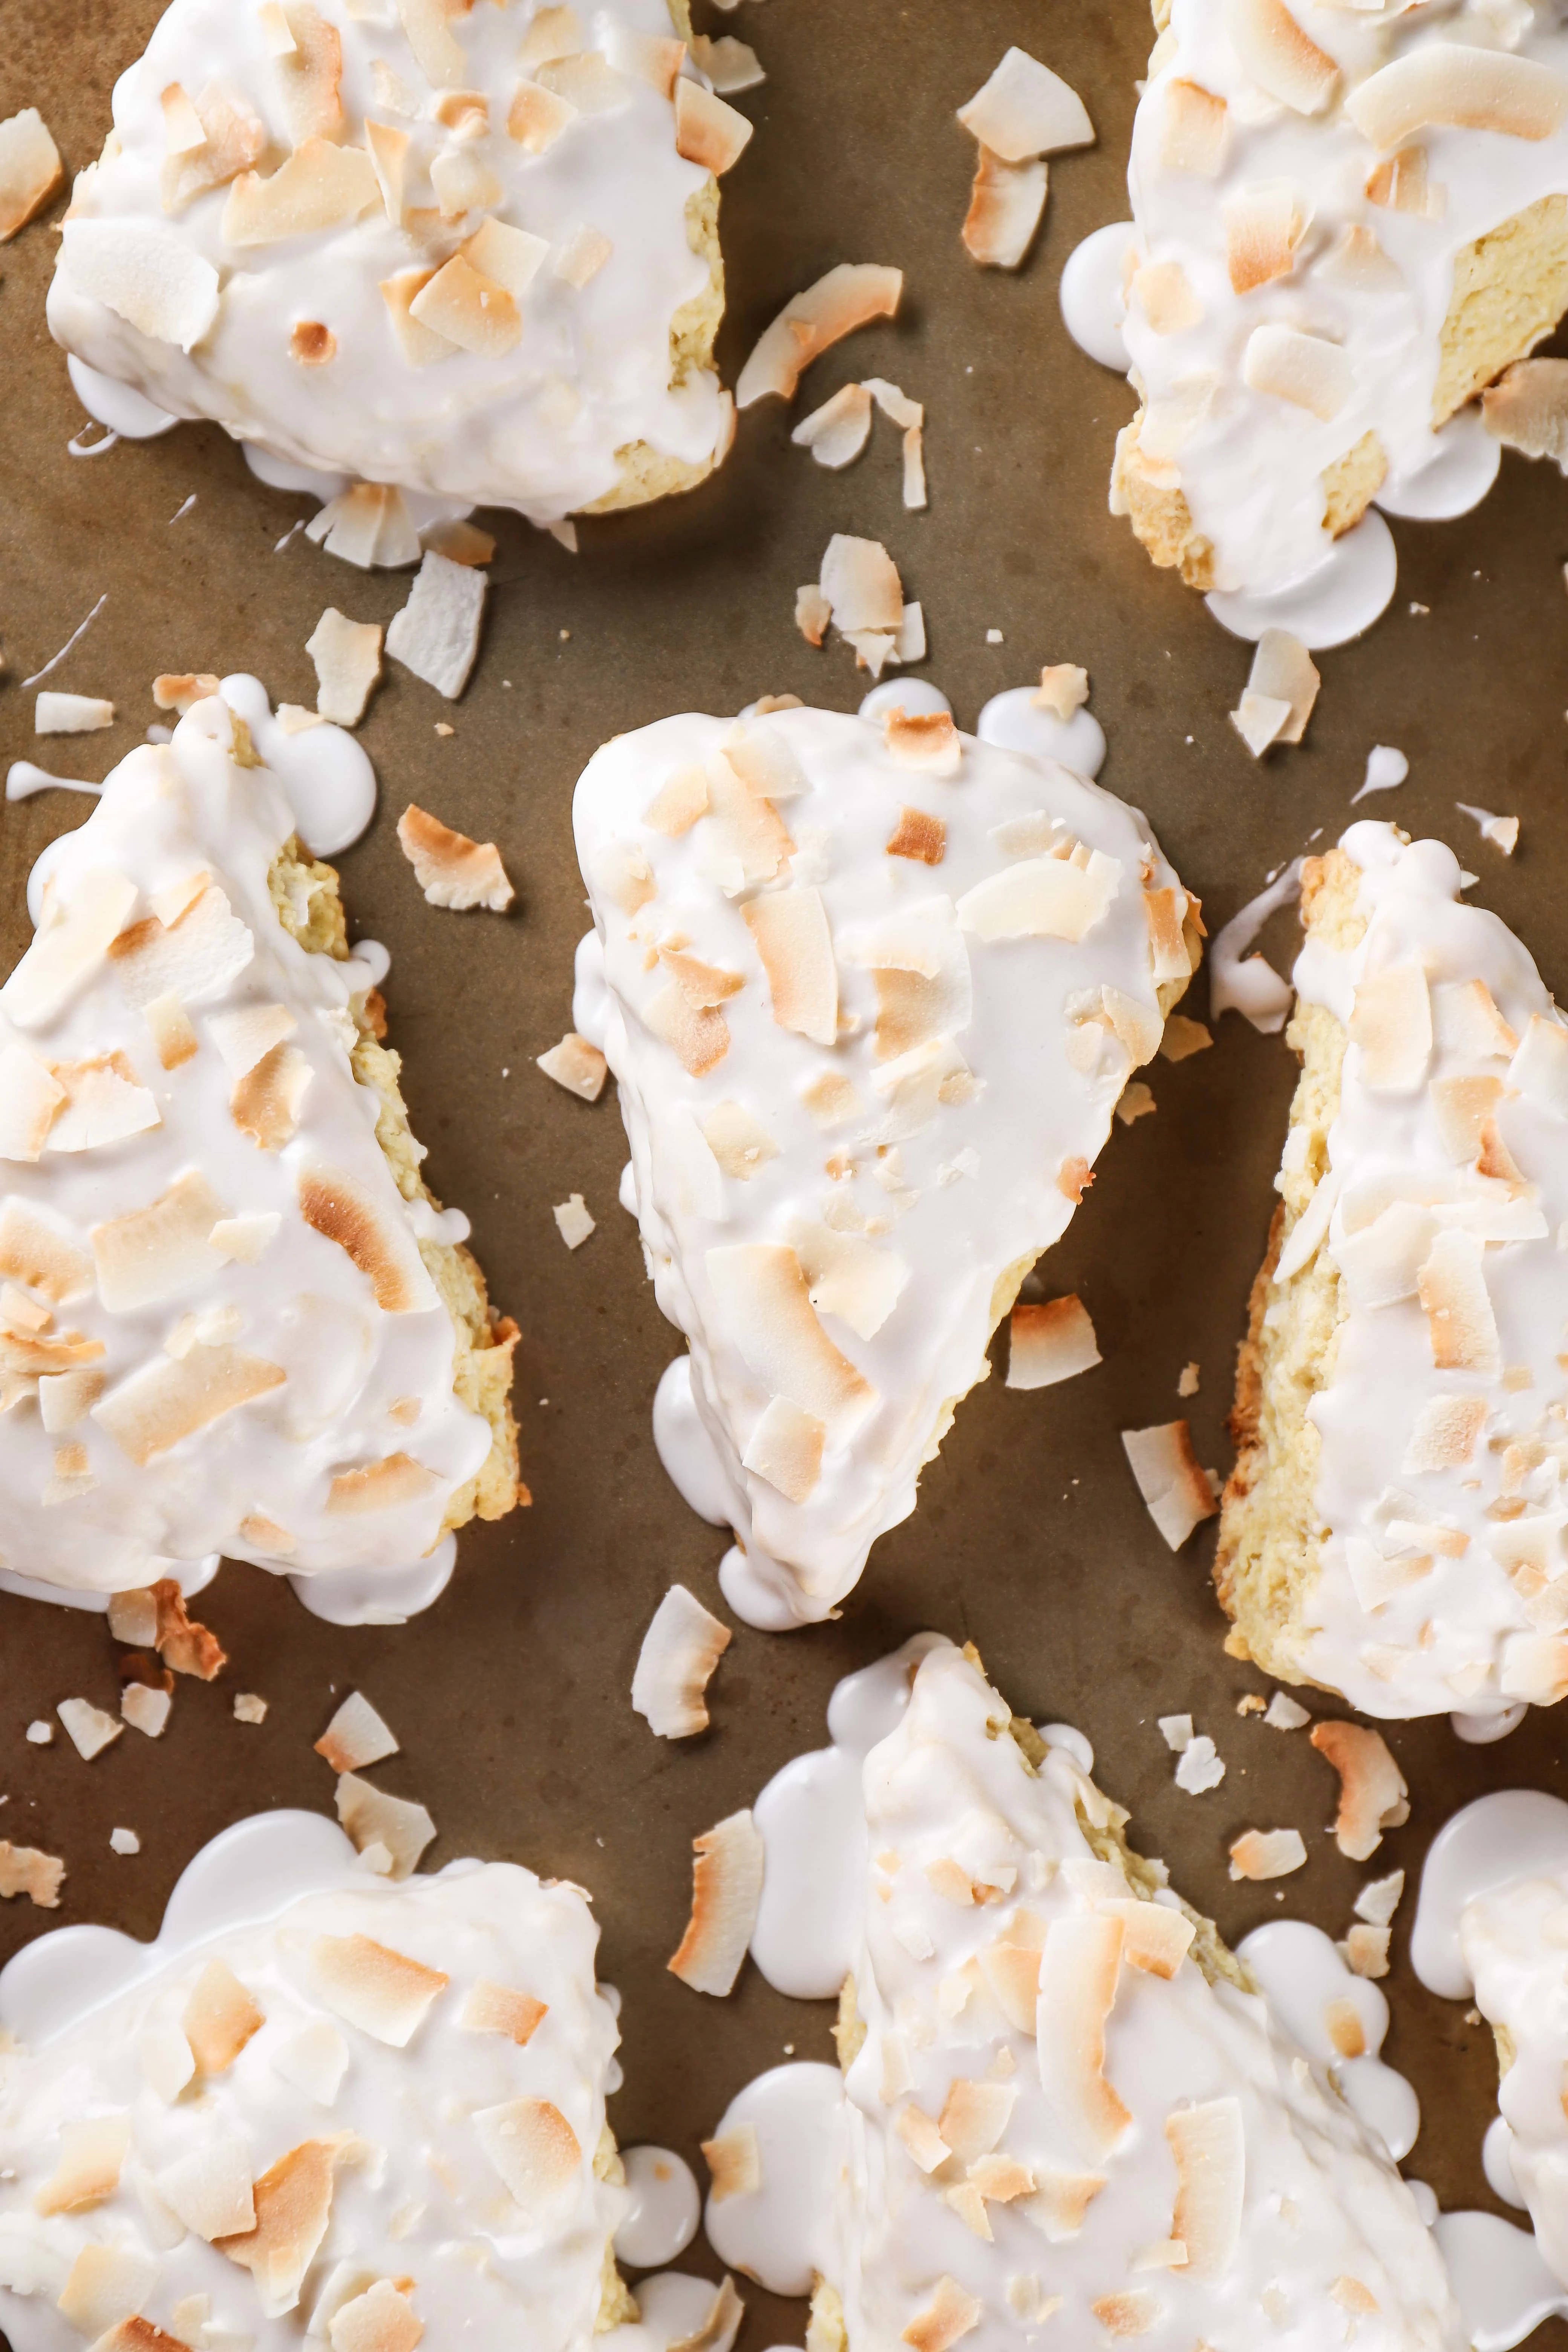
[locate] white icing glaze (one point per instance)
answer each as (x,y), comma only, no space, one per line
(379,1594)
(1485,1730)
(663,2207)
(1318,2203)
(1501,2284)
(591,991)
(283,474)
(538,428)
(1497,2162)
(1094,310)
(1014,721)
(931,1194)
(1243,982)
(415,2196)
(899,694)
(326,775)
(190,1576)
(301,1311)
(1481,1626)
(689,1456)
(1251,468)
(123,410)
(1459,470)
(1346,592)
(1511,1835)
(1304,1976)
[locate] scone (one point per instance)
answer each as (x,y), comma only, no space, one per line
(320,2108)
(473,255)
(1348,223)
(1065,2104)
(1391,1528)
(874,990)
(234,1318)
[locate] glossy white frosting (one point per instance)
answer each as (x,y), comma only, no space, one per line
(947,1163)
(1251,467)
(1482,1623)
(334,1359)
(1320,2226)
(539,428)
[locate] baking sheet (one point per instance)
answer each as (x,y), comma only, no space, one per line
(511,1698)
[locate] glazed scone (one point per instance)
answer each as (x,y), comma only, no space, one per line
(372,2116)
(234,1318)
(1348,223)
(1512,1941)
(1064,2100)
(1392,1527)
(874,990)
(467,255)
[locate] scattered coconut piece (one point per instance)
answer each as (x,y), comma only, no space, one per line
(1186,1386)
(837,431)
(1025,109)
(436,634)
(683,1644)
(372,1819)
(1281,692)
(356,1736)
(368,525)
(1006,202)
(384,1992)
(1502,831)
(220,2017)
(1527,409)
(726,1888)
(70,714)
(1201,1765)
(1266,1854)
(1365,1950)
(30,170)
(720,2327)
(24,1870)
(145,1709)
(124,1841)
(1049,1342)
(88,1728)
(249,1707)
(1183,1038)
(573,1221)
(575,1064)
(1373,1794)
(1258,719)
(1175,1487)
(452,870)
(1136,1101)
(707,131)
(321,185)
(848,296)
(39,1733)
(1283,1714)
(734,2162)
(1176,1731)
(812,613)
(347,656)
(729,64)
(1062,690)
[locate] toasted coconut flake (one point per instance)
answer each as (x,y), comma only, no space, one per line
(575,1064)
(1373,1794)
(343,1210)
(356,1736)
(89,1729)
(30,1095)
(319,186)
(65,1399)
(146,1710)
(267,1102)
(1460,1323)
(25,1870)
(69,948)
(293,2204)
(1209,2147)
(921,2138)
(1060,2201)
(734,2162)
(87,2169)
(951,2313)
(920,836)
(452,870)
(1041,897)
(699,1038)
(1346,2033)
(1077,1985)
(1463,1109)
(1062,690)
(234,137)
(860,583)
(812,613)
(1048,1343)
(1401,185)
(926,739)
(1263,227)
(309,73)
(501,2009)
(1445,1435)
(382,2319)
(1012,1969)
(382,1486)
(974,2117)
(726,1888)
(1527,409)
(1284,670)
(573,1221)
(1534,1668)
(347,657)
(1365,1950)
(70,714)
(1391,1021)
(506,256)
(552,32)
(1164,292)
(730,64)
(848,297)
(107,2285)
(1446,83)
(1278,55)
(1006,204)
(1306,370)
(103,1104)
(1266,1854)
(703,985)
(419,344)
(762,1293)
(154,1254)
(707,131)
(210,2190)
(400,1829)
(589,81)
(1154,1936)
(35,1251)
(160,287)
(1025,109)
(219,2019)
(1131,2312)
(1195,130)
(440,58)
(1170,1480)
(30,170)
(683,1644)
(470,309)
(1182,1038)
(719,2328)
(194,949)
(436,634)
(1259,719)
(679,802)
(384,1993)
(169,1398)
(172,1034)
(848,1277)
(738,1140)
(582,256)
(790,931)
(837,431)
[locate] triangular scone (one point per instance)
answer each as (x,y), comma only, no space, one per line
(306,225)
(1064,2098)
(232,1319)
(1393,1527)
(376,2115)
(874,988)
(1348,221)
